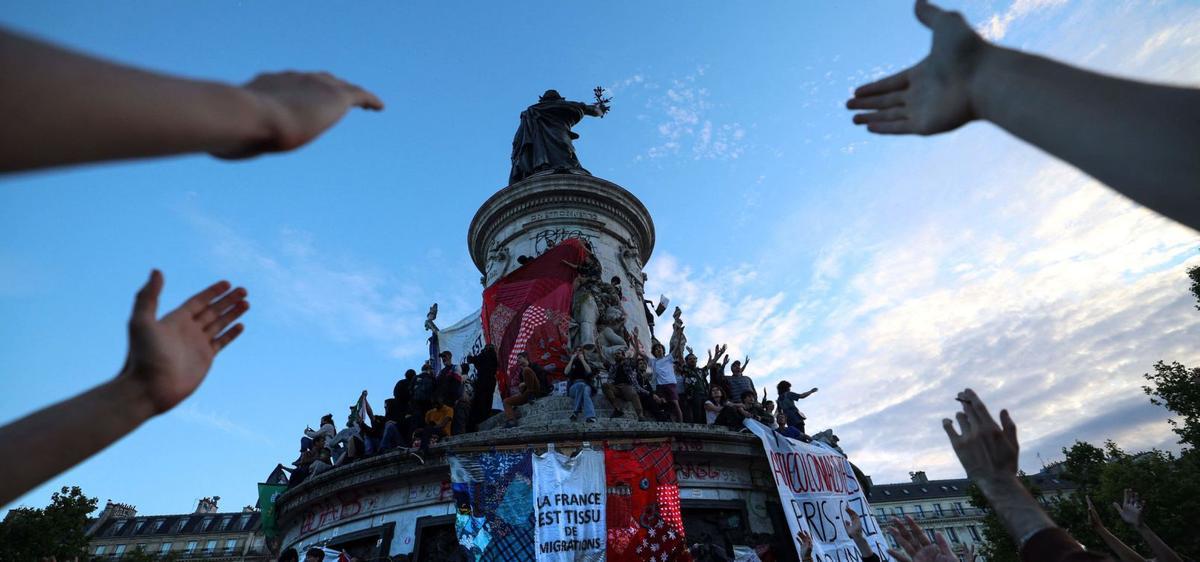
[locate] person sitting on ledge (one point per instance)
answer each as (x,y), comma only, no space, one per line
(437,424)
(787,430)
(529,387)
(750,408)
(326,431)
(622,388)
(579,387)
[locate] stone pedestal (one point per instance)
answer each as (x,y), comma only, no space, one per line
(530,216)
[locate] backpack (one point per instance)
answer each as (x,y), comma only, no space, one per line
(423,388)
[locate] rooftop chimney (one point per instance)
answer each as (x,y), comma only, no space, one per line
(919,477)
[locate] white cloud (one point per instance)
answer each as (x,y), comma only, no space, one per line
(192,413)
(997,26)
(302,285)
(684,120)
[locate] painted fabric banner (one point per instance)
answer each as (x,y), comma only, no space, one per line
(569,498)
(493,494)
(816,483)
(644,522)
(530,310)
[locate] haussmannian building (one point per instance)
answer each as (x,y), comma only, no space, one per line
(205,534)
(945,507)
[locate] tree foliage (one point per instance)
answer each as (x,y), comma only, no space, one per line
(58,530)
(1177,388)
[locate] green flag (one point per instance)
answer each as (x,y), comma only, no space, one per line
(267,493)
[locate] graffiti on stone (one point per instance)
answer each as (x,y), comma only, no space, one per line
(545,239)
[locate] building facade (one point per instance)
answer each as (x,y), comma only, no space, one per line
(205,534)
(944,506)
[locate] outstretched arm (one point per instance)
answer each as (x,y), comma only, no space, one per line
(64,107)
(1131,511)
(167,359)
(1124,553)
(1141,139)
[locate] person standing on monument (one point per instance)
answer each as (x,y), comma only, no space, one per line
(543,140)
(486,364)
(695,389)
(739,383)
(663,367)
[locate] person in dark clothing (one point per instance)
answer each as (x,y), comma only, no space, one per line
(621,389)
(486,364)
(449,382)
(695,390)
(580,387)
(787,430)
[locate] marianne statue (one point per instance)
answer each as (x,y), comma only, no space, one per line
(543,140)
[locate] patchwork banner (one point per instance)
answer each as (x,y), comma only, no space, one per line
(569,497)
(816,484)
(644,522)
(493,494)
(530,310)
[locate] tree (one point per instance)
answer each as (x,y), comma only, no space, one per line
(997,545)
(58,530)
(1177,388)
(1194,275)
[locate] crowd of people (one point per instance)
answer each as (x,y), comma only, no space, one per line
(426,407)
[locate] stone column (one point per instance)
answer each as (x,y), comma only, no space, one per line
(526,218)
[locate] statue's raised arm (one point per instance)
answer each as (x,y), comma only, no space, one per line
(543,140)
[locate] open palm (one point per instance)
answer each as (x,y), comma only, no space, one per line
(932,96)
(169,357)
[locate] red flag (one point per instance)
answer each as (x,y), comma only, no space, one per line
(644,522)
(530,310)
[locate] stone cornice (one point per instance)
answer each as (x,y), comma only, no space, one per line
(692,440)
(549,192)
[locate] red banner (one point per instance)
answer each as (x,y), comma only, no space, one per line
(644,522)
(530,310)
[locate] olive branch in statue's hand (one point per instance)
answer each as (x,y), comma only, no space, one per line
(601,101)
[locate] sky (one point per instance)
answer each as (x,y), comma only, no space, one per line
(889,272)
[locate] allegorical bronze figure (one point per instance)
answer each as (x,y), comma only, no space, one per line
(543,140)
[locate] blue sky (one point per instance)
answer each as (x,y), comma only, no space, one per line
(891,272)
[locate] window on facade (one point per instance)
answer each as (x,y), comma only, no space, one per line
(900,510)
(920,511)
(953,535)
(937,509)
(158,525)
(165,548)
(932,535)
(137,527)
(183,521)
(210,546)
(229,544)
(100,550)
(224,523)
(120,524)
(974,533)
(958,508)
(245,522)
(119,551)
(191,547)
(204,523)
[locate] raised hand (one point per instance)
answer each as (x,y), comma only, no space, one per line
(1130,509)
(806,545)
(1093,516)
(853,524)
(987,451)
(169,357)
(916,546)
(933,96)
(297,107)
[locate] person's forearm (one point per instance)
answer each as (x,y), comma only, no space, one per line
(97,110)
(55,438)
(1020,514)
(1141,139)
(1124,553)
(1162,552)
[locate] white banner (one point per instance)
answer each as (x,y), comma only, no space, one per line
(464,338)
(569,495)
(816,484)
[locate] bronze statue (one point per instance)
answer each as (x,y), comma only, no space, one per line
(543,140)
